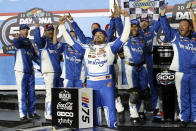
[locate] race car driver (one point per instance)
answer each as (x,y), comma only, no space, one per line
(98,59)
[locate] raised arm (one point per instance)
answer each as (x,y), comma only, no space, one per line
(78,31)
(119,25)
(193,18)
(19,43)
(125,35)
(118,21)
(69,40)
(39,41)
(110,31)
(168,31)
(55,34)
(36,58)
(156,25)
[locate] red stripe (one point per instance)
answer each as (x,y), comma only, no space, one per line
(1,54)
(170,7)
(62,12)
(84,99)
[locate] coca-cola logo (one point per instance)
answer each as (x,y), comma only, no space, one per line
(66,106)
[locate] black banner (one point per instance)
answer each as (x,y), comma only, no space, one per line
(65,107)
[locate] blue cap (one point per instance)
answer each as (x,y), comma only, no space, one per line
(99,30)
(24,26)
(135,22)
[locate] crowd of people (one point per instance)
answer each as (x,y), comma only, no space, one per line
(96,62)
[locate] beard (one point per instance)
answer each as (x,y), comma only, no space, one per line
(99,41)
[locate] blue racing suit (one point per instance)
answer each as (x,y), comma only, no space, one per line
(50,66)
(184,51)
(98,61)
(136,73)
(73,69)
(80,34)
(115,23)
(24,73)
(134,51)
(193,89)
(151,35)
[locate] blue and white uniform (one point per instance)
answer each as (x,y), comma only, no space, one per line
(98,61)
(24,73)
(136,73)
(50,66)
(184,51)
(193,89)
(115,23)
(151,35)
(73,68)
(80,34)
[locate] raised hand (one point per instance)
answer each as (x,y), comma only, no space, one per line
(189,5)
(16,36)
(69,16)
(118,11)
(112,14)
(163,11)
(124,13)
(55,27)
(62,19)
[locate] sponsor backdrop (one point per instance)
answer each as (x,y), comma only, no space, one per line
(85,12)
(15,12)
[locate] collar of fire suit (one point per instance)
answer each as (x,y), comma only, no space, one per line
(25,40)
(187,37)
(49,40)
(22,38)
(136,37)
(100,45)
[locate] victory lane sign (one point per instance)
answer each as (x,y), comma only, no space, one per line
(72,107)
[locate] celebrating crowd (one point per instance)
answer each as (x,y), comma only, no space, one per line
(96,62)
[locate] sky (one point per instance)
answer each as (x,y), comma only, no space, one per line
(51,5)
(54,5)
(172,2)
